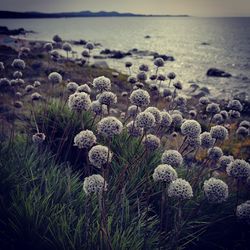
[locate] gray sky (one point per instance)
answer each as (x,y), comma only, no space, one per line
(191,7)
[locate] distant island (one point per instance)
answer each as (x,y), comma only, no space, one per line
(13,14)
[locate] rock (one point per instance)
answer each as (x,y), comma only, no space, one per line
(119,54)
(106,52)
(213,72)
(164,57)
(205,44)
(100,64)
(99,57)
(5,31)
(80,42)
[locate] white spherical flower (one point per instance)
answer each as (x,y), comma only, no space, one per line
(102,83)
(144,67)
(178,85)
(57,39)
(17,74)
(36,96)
(29,88)
(219,132)
(84,88)
(166,93)
(214,153)
(133,111)
(85,139)
(141,76)
(72,87)
(191,128)
(18,64)
(133,130)
(225,160)
(132,79)
(213,108)
(159,62)
(204,101)
(224,114)
(245,124)
(67,47)
(151,142)
(243,211)
(166,119)
(234,114)
(36,84)
(216,191)
(218,119)
(180,189)
(38,138)
(98,108)
(177,120)
(207,141)
(140,98)
(145,120)
(55,78)
(98,155)
(181,101)
(48,47)
(79,102)
(109,126)
(235,105)
(172,158)
(194,142)
(108,98)
(156,113)
(242,132)
(90,46)
(94,184)
(239,169)
(164,173)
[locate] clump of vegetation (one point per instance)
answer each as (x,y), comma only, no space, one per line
(86,166)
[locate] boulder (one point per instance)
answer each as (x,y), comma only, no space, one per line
(100,64)
(214,72)
(164,57)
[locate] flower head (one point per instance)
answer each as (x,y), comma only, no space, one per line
(172,158)
(140,98)
(156,113)
(108,98)
(151,142)
(18,64)
(215,153)
(72,87)
(55,78)
(85,139)
(98,108)
(79,102)
(243,211)
(239,169)
(38,138)
(164,173)
(134,130)
(84,88)
(159,62)
(215,190)
(207,141)
(99,155)
(166,119)
(109,126)
(180,189)
(102,83)
(219,132)
(94,184)
(133,111)
(145,120)
(235,105)
(191,128)
(213,108)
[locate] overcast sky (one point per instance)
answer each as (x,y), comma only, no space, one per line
(191,7)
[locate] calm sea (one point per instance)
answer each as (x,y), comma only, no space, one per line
(227,39)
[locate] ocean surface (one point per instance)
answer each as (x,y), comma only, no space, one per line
(227,44)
